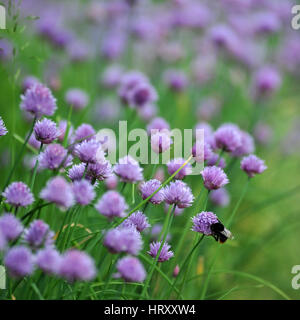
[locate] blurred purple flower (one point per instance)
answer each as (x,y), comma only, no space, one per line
(48,260)
(111,205)
(175,164)
(10,227)
(54,157)
(19,261)
(58,191)
(131,269)
(77,98)
(157,124)
(247,145)
(84,192)
(128,170)
(18,194)
(227,138)
(111,76)
(28,82)
(252,165)
(38,235)
(161,141)
(220,197)
(175,80)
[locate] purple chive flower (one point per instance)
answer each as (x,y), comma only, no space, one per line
(58,191)
(111,182)
(100,170)
(111,76)
(206,127)
(38,235)
(148,187)
(201,151)
(175,164)
(161,141)
(39,101)
(111,205)
(178,193)
(148,112)
(263,133)
(128,82)
(131,269)
(175,80)
(142,94)
(53,157)
(247,145)
(77,265)
(77,98)
(84,192)
(89,151)
(208,108)
(84,132)
(48,260)
(125,239)
(10,227)
(214,178)
(78,51)
(215,160)
(137,220)
(29,82)
(3,130)
(18,194)
(220,197)
(202,222)
(252,165)
(165,253)
(45,131)
(19,261)
(157,124)
(228,138)
(267,80)
(128,170)
(223,36)
(76,172)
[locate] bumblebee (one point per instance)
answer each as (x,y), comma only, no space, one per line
(220,233)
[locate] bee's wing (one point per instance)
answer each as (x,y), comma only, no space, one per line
(227,234)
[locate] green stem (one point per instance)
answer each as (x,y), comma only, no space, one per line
(35,169)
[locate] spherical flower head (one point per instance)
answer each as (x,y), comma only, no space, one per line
(18,194)
(148,187)
(214,178)
(161,141)
(77,98)
(128,81)
(228,138)
(128,170)
(178,193)
(147,112)
(19,261)
(165,253)
(203,221)
(223,36)
(220,197)
(89,151)
(48,260)
(38,235)
(84,192)
(39,101)
(76,172)
(131,269)
(142,94)
(253,165)
(111,182)
(100,170)
(157,124)
(201,151)
(111,76)
(215,160)
(111,205)
(206,127)
(175,164)
(53,157)
(58,191)
(124,239)
(3,130)
(176,80)
(137,220)
(10,227)
(46,131)
(267,80)
(77,265)
(84,132)
(247,145)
